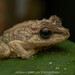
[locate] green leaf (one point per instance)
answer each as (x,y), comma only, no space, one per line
(58,60)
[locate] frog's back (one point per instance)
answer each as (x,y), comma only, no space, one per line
(21,31)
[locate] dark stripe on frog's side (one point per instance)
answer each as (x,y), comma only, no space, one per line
(53,27)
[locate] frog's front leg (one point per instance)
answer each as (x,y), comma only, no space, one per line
(4,50)
(20,50)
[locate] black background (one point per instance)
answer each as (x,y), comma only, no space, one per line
(64,9)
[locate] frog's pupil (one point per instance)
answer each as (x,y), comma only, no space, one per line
(45,32)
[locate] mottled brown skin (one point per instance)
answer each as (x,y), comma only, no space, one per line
(23,39)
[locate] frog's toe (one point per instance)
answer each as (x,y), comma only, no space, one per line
(4,50)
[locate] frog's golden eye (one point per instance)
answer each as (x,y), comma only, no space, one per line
(45,32)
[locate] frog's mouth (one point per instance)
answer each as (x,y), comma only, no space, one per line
(36,41)
(48,36)
(56,38)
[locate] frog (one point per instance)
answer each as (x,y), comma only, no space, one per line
(30,37)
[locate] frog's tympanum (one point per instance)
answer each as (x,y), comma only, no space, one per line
(27,38)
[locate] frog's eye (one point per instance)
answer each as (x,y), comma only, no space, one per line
(45,32)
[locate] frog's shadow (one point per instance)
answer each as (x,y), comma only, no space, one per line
(55,49)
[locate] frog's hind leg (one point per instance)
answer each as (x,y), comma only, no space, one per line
(4,50)
(18,48)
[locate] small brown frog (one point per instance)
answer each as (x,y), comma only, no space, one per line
(27,38)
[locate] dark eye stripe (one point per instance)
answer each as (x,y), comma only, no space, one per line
(45,32)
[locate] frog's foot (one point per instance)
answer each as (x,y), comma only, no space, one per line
(4,50)
(20,50)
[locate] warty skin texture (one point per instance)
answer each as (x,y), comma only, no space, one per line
(23,40)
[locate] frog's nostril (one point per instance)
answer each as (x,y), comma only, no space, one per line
(63,31)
